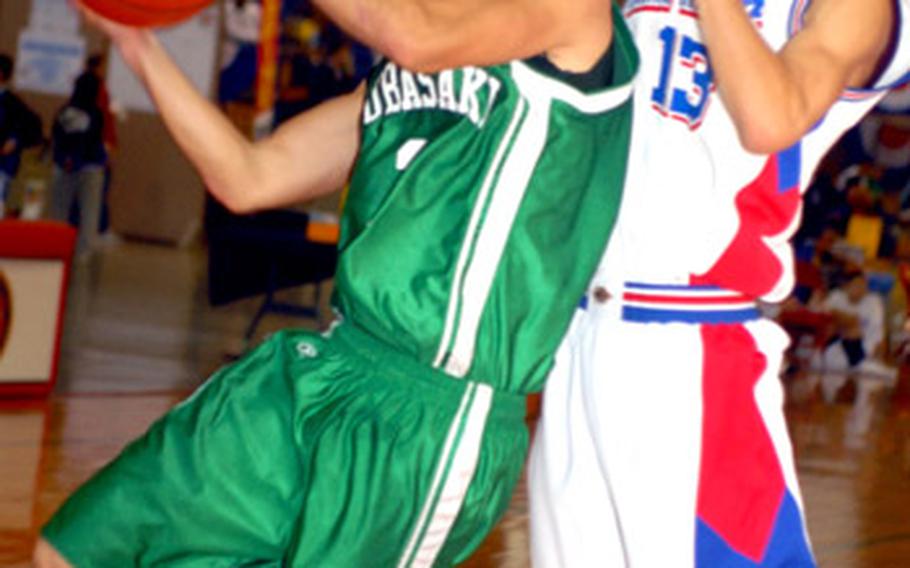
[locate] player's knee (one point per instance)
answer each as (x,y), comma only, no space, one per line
(46,556)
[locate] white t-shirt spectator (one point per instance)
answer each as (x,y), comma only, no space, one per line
(871,314)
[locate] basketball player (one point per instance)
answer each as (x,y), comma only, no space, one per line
(663,441)
(480,202)
(679,428)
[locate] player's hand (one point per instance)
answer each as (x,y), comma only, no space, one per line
(8,148)
(129,40)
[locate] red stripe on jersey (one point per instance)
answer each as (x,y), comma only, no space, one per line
(741,484)
(748,265)
(695,300)
(634,11)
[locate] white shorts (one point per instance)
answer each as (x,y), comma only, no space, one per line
(662,441)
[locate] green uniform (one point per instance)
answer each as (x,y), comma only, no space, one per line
(480,204)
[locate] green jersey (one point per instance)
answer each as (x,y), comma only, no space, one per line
(480,205)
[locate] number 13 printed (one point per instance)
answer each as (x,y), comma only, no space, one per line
(686,79)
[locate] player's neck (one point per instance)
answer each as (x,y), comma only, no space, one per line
(586,47)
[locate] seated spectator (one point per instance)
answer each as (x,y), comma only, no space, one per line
(857,345)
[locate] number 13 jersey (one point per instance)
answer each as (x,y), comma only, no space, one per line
(698,209)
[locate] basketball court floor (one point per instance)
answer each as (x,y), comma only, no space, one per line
(140,336)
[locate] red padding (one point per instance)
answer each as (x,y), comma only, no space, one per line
(36,239)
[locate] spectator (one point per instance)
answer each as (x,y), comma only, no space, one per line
(858,342)
(96,65)
(15,119)
(79,160)
(9,147)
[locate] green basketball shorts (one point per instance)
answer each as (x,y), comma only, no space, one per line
(311,451)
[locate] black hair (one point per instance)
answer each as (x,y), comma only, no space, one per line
(94,62)
(85,92)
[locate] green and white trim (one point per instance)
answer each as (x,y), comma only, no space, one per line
(452,479)
(470,243)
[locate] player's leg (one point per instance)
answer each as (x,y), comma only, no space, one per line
(795,549)
(749,506)
(488,493)
(572,516)
(645,407)
(46,556)
(414,470)
(217,480)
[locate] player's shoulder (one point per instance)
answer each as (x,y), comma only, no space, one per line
(606,85)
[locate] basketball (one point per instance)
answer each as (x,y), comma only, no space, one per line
(147,13)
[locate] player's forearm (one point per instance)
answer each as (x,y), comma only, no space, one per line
(221,155)
(430,35)
(313,153)
(768,107)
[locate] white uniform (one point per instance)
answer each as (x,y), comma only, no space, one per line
(662,441)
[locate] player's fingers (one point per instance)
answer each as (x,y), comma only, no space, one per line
(88,14)
(97,20)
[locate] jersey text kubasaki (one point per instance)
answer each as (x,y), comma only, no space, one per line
(478,210)
(402,91)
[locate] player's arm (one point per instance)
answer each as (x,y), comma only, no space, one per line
(775,98)
(430,35)
(309,156)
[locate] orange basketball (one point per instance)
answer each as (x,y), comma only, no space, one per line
(147,13)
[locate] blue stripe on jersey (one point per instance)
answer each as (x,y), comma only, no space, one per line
(797,18)
(789,166)
(698,288)
(899,83)
(650,315)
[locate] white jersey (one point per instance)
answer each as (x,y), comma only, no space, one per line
(702,233)
(698,209)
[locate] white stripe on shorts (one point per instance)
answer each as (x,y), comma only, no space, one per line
(455,472)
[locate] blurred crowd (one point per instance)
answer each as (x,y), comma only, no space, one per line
(848,313)
(82,136)
(61,168)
